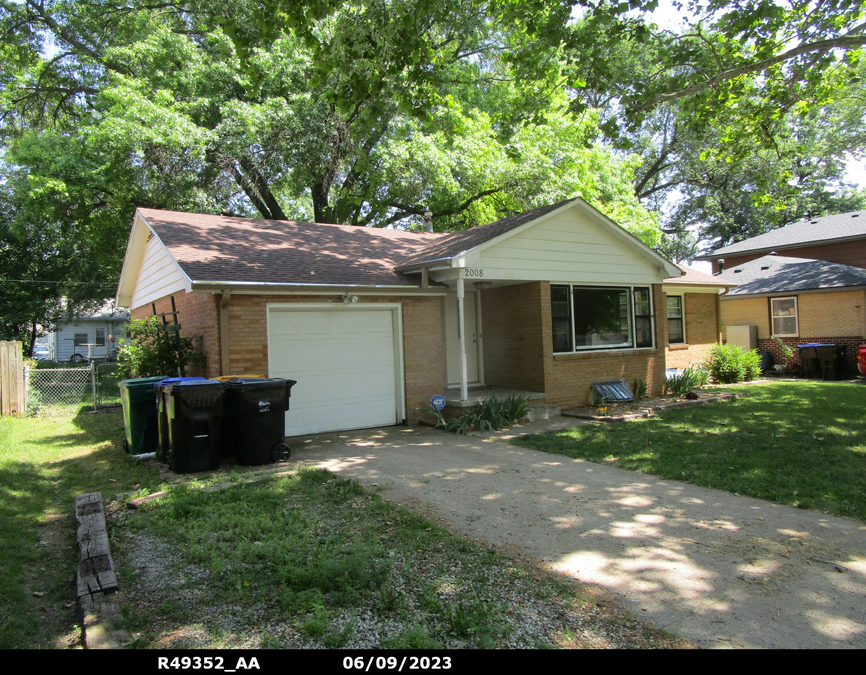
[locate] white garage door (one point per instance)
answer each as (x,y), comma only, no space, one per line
(345,362)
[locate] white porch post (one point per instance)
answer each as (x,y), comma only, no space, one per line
(461,323)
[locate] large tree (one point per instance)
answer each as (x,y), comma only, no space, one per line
(368,114)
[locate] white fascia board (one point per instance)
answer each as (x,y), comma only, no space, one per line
(678,289)
(138,238)
(138,235)
(248,287)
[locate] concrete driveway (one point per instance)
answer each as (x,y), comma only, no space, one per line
(718,569)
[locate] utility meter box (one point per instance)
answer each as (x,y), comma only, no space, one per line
(745,337)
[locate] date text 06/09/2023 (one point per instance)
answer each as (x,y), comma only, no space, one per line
(379,663)
(206,663)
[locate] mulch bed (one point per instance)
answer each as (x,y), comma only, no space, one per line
(619,412)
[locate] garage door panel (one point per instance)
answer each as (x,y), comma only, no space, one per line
(344,363)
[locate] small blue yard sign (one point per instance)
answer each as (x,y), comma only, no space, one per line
(438,402)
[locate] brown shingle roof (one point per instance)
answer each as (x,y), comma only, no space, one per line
(693,276)
(225,249)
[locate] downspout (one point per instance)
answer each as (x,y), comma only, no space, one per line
(224,332)
(719,314)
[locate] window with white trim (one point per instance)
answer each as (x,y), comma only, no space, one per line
(599,317)
(784,317)
(100,337)
(676,321)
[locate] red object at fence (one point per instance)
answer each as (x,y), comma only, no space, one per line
(861,359)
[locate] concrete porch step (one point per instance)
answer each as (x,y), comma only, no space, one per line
(543,412)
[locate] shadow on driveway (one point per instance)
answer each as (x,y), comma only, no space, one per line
(718,569)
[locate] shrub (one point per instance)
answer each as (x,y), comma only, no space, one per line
(786,353)
(729,364)
(751,365)
(156,350)
(683,383)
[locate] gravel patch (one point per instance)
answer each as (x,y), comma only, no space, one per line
(170,603)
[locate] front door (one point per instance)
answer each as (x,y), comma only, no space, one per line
(452,343)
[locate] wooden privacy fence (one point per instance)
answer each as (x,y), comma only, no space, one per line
(12,387)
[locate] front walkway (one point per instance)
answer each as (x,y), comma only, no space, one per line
(721,570)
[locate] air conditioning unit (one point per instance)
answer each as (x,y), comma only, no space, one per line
(745,337)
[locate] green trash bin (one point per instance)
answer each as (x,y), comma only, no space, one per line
(138,398)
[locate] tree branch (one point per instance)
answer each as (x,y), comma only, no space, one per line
(848,41)
(250,191)
(70,39)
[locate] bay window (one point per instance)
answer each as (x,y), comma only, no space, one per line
(596,317)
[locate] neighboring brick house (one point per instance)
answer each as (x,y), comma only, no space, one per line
(693,321)
(840,238)
(801,283)
(798,301)
(373,322)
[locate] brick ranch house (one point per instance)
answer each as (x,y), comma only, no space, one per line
(799,301)
(802,283)
(692,304)
(373,322)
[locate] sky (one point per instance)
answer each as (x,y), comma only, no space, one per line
(667,16)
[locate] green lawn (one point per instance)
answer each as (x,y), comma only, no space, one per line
(44,463)
(306,559)
(796,443)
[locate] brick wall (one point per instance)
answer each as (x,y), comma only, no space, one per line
(833,313)
(847,253)
(701,326)
(836,313)
(568,376)
(851,343)
(834,317)
(423,336)
(198,316)
(423,340)
(512,329)
(746,312)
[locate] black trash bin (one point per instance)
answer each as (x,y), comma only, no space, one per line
(810,365)
(256,420)
(195,425)
(831,360)
(162,414)
(766,361)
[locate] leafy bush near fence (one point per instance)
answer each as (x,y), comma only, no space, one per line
(729,364)
(156,350)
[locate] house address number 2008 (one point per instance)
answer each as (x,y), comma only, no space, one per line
(474,272)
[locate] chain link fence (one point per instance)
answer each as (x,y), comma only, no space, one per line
(58,391)
(107,380)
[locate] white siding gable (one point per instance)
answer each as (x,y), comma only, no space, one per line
(567,247)
(158,276)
